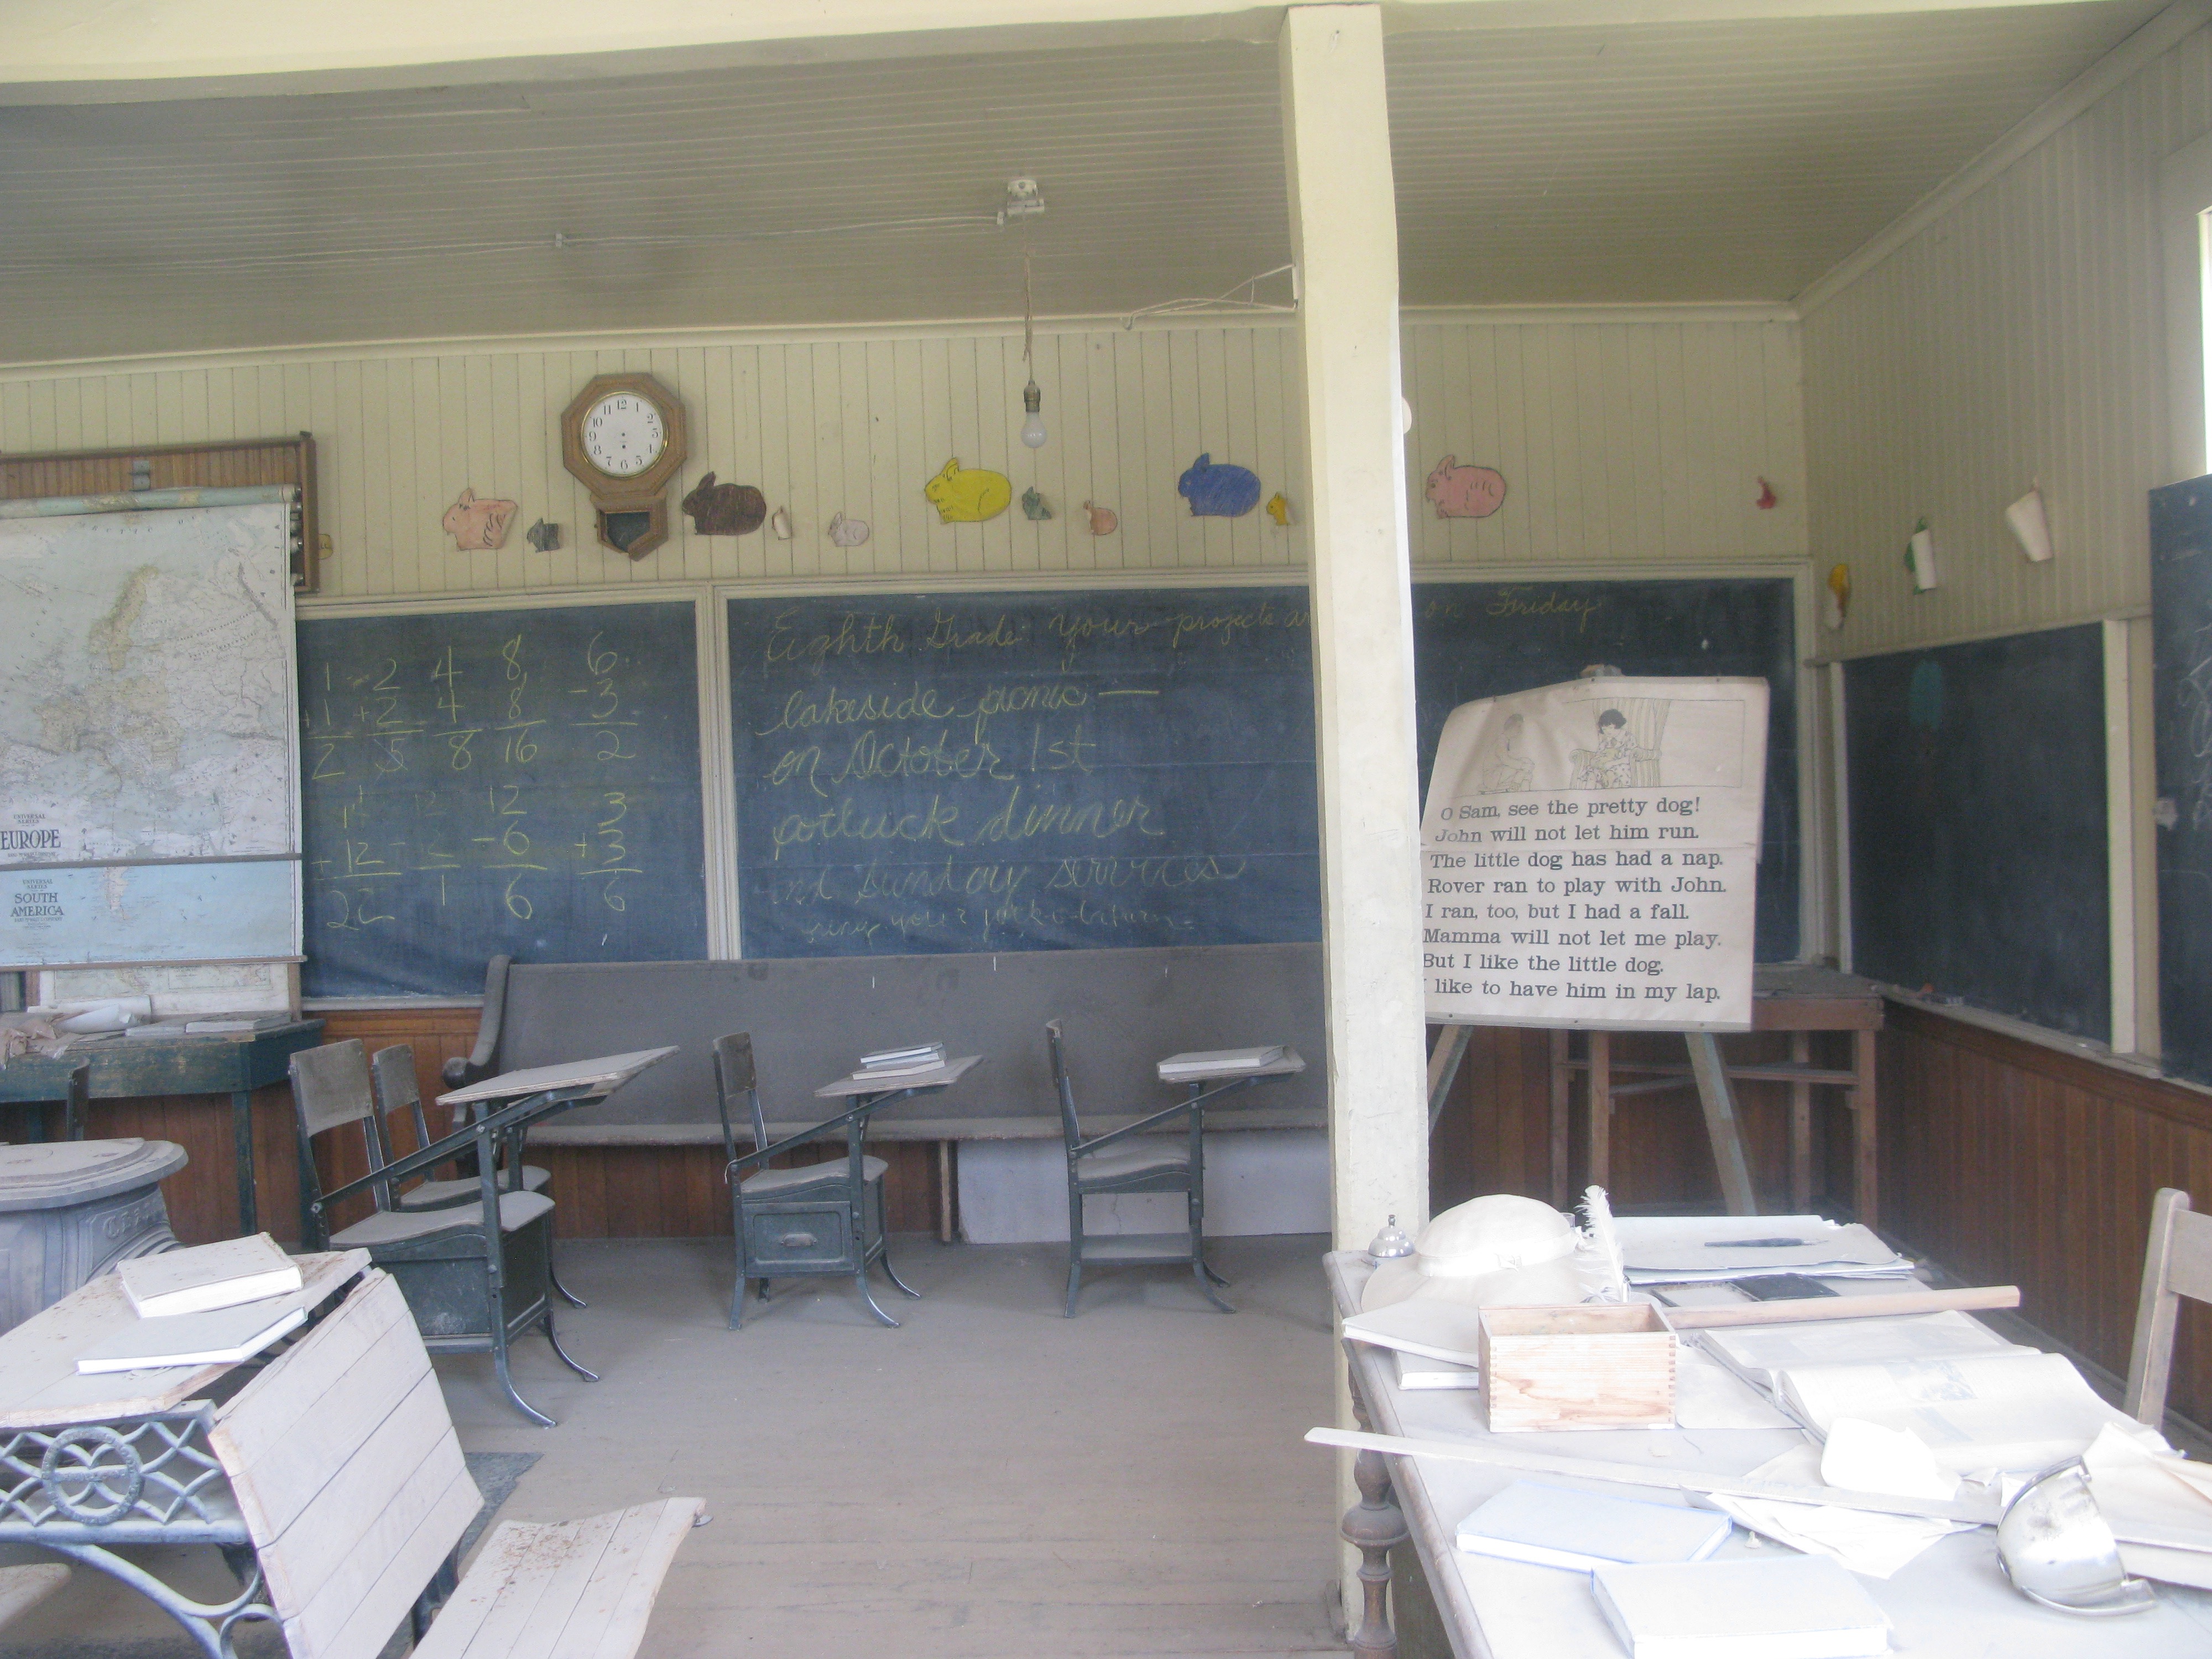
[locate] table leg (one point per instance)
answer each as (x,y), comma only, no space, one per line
(1866,1196)
(241,1142)
(1560,1079)
(1373,1526)
(1601,1111)
(945,1192)
(1801,1127)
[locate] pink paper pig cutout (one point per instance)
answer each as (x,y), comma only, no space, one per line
(478,526)
(1465,492)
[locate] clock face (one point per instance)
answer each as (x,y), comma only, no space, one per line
(623,435)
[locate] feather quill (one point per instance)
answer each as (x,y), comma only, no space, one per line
(1604,1244)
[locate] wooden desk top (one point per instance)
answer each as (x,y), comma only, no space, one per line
(602,1076)
(1288,1066)
(41,1386)
(1785,997)
(937,1077)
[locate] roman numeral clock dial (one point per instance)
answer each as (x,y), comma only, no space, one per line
(622,436)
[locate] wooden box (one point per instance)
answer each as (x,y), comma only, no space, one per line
(1588,1367)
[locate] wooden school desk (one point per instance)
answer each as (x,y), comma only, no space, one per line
(1797,1000)
(130,1068)
(1950,1602)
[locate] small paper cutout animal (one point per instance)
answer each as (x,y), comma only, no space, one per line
(725,509)
(1768,498)
(1033,506)
(1279,509)
(968,495)
(848,532)
(1103,520)
(543,536)
(1465,492)
(478,526)
(780,523)
(1218,492)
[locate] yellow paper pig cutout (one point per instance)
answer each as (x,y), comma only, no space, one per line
(968,495)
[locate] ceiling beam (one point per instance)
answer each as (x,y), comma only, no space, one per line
(67,51)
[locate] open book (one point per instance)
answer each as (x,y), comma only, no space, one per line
(1760,1353)
(1690,1250)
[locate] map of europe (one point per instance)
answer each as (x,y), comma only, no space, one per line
(145,686)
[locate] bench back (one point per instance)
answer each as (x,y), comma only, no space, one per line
(348,1474)
(812,1019)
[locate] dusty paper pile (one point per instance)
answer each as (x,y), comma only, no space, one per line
(1692,1249)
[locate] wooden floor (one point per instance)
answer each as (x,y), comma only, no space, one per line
(989,1481)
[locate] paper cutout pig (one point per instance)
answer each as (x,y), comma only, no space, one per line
(478,526)
(1218,492)
(1465,492)
(725,509)
(968,495)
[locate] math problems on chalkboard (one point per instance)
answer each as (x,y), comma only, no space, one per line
(524,781)
(1023,771)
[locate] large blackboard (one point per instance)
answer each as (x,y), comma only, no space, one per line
(1473,640)
(1978,829)
(521,781)
(1023,771)
(2181,693)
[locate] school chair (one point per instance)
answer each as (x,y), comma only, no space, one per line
(1157,1165)
(472,1287)
(2178,1262)
(811,1219)
(392,1071)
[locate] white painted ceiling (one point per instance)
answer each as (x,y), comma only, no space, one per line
(1711,162)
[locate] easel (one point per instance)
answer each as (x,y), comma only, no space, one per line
(1797,1001)
(1715,1094)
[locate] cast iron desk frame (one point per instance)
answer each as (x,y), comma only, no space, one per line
(139,1469)
(868,1098)
(1148,1250)
(127,1067)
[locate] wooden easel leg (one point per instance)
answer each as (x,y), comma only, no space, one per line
(1867,1196)
(1601,1111)
(1801,1127)
(1444,1067)
(1718,1099)
(1560,1079)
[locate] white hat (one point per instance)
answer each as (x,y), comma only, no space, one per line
(1499,1251)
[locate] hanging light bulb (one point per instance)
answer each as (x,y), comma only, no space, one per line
(1033,432)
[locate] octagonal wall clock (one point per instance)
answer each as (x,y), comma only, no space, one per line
(624,438)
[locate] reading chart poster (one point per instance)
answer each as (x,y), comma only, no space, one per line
(1590,855)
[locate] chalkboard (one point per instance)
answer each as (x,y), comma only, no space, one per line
(1023,771)
(520,781)
(2181,697)
(1473,640)
(1977,837)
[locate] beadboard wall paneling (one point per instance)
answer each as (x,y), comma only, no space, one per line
(1622,440)
(2018,338)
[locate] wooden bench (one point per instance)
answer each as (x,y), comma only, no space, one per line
(349,1478)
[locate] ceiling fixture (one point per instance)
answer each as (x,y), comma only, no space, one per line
(1033,432)
(1023,201)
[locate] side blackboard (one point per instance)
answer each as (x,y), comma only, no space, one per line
(1473,640)
(2181,694)
(1978,829)
(520,780)
(1023,771)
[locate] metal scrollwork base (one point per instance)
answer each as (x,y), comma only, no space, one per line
(209,1624)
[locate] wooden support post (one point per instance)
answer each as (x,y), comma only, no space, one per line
(1866,1196)
(1344,240)
(1800,1127)
(945,1192)
(1717,1095)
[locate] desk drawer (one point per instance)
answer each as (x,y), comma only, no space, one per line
(817,1235)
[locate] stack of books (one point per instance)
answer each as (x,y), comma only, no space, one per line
(900,1062)
(1212,1061)
(217,1305)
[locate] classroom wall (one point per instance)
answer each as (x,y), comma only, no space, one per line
(1625,437)
(2018,337)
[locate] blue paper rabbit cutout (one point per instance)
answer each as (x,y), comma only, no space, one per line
(1221,492)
